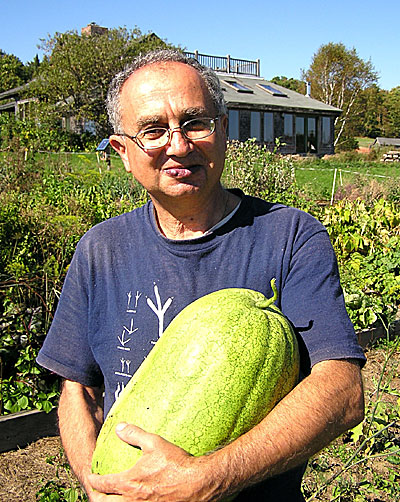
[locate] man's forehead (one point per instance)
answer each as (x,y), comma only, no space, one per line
(153,88)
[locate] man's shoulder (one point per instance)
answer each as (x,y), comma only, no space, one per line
(114,233)
(263,211)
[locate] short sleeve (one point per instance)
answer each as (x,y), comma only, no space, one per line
(66,350)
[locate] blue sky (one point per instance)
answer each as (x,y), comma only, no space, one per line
(283,35)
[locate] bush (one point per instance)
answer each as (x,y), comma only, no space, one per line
(259,172)
(46,204)
(34,136)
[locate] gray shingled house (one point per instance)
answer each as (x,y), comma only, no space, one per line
(265,111)
(257,109)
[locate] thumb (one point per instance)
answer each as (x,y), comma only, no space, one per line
(135,436)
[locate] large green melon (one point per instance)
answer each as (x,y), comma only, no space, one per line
(218,369)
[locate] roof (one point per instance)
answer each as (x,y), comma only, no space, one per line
(258,97)
(387,141)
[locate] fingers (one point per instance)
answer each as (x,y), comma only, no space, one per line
(136,436)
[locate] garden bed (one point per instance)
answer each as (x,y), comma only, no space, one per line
(23,472)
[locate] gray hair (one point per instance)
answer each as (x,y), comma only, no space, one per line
(113,103)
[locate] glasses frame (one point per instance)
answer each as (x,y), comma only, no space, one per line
(170,131)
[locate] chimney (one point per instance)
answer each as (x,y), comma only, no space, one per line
(93,29)
(308,89)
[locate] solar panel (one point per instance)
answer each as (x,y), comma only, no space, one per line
(272,90)
(239,87)
(103,145)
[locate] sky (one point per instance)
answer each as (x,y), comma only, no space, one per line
(283,35)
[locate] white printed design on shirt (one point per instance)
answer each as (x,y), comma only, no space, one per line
(129,330)
(159,310)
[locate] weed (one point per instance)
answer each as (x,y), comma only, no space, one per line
(364,461)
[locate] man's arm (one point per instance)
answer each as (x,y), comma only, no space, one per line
(80,416)
(321,407)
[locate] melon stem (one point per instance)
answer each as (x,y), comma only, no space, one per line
(267,303)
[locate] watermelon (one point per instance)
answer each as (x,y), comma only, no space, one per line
(218,369)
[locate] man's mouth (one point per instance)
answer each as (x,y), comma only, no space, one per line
(181,172)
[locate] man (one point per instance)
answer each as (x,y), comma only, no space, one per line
(132,275)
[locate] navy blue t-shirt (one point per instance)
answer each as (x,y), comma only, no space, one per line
(126,283)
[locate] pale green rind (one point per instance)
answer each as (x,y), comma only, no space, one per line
(218,369)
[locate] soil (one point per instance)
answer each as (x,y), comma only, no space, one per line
(25,471)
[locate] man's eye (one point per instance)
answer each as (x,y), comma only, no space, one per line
(153,133)
(198,125)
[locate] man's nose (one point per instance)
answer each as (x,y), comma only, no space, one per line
(178,144)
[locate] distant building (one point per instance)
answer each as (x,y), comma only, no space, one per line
(391,142)
(266,111)
(15,103)
(93,29)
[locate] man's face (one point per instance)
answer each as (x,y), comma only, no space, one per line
(168,94)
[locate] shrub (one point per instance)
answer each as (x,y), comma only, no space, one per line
(259,172)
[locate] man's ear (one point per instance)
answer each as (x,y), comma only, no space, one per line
(224,121)
(119,145)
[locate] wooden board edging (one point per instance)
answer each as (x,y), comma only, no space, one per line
(17,430)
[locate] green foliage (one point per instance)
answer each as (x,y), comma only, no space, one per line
(12,72)
(76,71)
(65,487)
(392,102)
(46,135)
(366,239)
(290,83)
(259,172)
(46,204)
(337,76)
(363,463)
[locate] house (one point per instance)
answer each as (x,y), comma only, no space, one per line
(257,108)
(15,103)
(268,112)
(391,142)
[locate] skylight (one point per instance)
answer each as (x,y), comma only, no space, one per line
(272,90)
(238,87)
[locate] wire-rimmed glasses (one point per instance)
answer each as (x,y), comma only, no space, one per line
(155,136)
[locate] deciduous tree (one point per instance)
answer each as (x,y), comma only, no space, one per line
(12,71)
(77,69)
(290,83)
(337,76)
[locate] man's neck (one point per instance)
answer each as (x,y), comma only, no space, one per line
(188,221)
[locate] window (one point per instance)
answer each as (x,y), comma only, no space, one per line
(237,86)
(255,125)
(326,131)
(306,134)
(288,125)
(271,90)
(268,127)
(312,145)
(300,135)
(233,130)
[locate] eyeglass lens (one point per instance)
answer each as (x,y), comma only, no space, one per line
(193,129)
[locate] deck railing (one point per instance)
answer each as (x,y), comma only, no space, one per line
(227,64)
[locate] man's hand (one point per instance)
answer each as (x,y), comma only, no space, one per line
(165,472)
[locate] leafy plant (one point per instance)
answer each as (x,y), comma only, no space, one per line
(65,487)
(342,471)
(259,172)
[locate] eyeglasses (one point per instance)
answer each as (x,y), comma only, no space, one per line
(159,136)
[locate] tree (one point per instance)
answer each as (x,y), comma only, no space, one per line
(12,72)
(392,103)
(75,74)
(290,83)
(371,121)
(337,76)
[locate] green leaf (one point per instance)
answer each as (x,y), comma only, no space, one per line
(356,432)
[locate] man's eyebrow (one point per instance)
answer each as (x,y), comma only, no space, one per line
(188,113)
(145,121)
